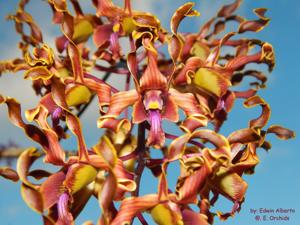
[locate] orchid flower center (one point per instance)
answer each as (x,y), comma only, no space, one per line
(153,104)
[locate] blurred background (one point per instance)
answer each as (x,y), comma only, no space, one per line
(276,182)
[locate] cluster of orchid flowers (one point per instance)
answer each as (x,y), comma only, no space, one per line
(197,79)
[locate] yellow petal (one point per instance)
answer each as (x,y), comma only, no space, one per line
(77,95)
(211,81)
(200,50)
(82,30)
(79,176)
(128,25)
(63,72)
(163,215)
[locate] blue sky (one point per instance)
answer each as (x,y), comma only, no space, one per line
(276,182)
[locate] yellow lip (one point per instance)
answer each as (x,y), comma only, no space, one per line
(154,105)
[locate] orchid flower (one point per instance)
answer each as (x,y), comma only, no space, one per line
(153,101)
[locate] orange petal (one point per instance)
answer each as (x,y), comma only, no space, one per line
(138,113)
(170,111)
(132,205)
(185,101)
(188,191)
(152,79)
(32,198)
(114,124)
(192,218)
(119,102)
(52,188)
(191,123)
(108,8)
(102,34)
(74,125)
(106,196)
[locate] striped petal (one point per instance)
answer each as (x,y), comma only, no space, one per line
(152,79)
(231,185)
(131,206)
(119,102)
(185,101)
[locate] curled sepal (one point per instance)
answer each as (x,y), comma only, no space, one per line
(37,73)
(177,147)
(222,147)
(9,174)
(262,120)
(33,132)
(255,25)
(105,149)
(25,160)
(182,12)
(125,180)
(186,74)
(74,125)
(228,10)
(131,206)
(42,56)
(22,17)
(114,124)
(59,5)
(175,47)
(281,132)
(106,196)
(244,136)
